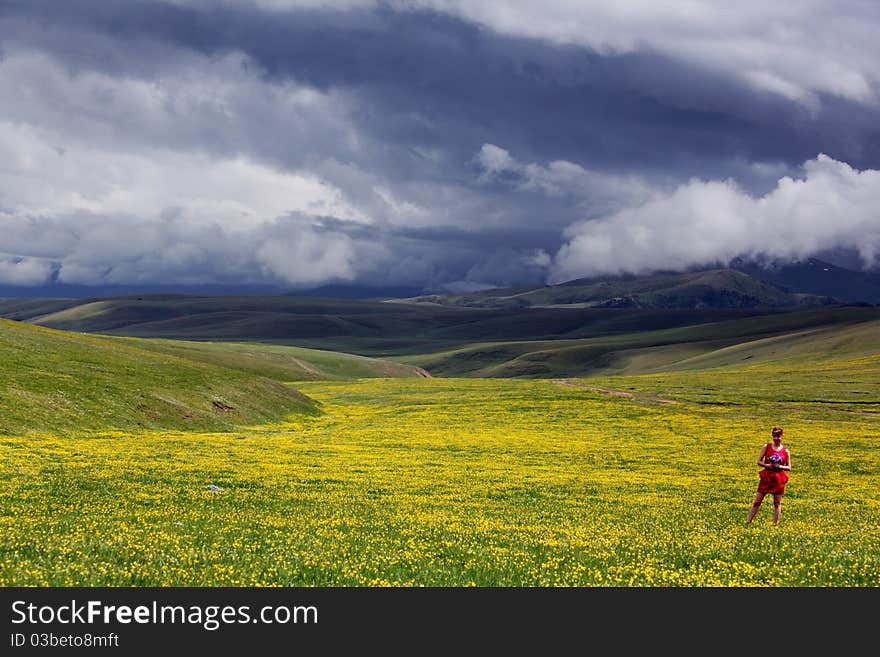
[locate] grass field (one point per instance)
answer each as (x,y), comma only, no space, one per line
(460,482)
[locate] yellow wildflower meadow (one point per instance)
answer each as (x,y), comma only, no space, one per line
(452,482)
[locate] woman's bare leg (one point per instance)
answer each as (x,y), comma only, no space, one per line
(759,497)
(777,507)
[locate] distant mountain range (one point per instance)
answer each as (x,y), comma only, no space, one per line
(814,276)
(716,288)
(742,285)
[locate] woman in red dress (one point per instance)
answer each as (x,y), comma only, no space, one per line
(775,459)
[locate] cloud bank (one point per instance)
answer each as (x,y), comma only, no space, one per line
(708,222)
(436,143)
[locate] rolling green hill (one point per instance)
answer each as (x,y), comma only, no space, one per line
(815,331)
(294,338)
(383,329)
(23,309)
(271,318)
(58,381)
(280,362)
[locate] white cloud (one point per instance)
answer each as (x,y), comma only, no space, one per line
(495,160)
(401,211)
(89,249)
(705,222)
(304,256)
(105,181)
(594,192)
(47,173)
(85,142)
(24,271)
(43,173)
(539,258)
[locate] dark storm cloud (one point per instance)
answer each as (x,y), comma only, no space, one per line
(447,151)
(433,79)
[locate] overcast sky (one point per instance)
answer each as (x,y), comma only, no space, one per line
(442,144)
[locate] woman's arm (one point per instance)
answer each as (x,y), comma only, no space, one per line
(761,457)
(787,465)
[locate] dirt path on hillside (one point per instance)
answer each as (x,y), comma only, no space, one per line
(615,393)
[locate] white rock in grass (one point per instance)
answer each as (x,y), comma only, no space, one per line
(215,489)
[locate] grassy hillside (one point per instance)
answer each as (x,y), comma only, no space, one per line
(24,309)
(688,347)
(55,381)
(445,341)
(260,335)
(282,363)
(366,328)
(192,312)
(825,374)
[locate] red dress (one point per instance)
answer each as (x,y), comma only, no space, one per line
(773,481)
